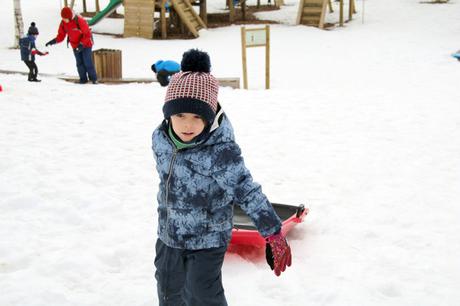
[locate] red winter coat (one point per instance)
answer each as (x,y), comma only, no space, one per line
(78,33)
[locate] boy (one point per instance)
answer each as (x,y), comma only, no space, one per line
(80,38)
(164,70)
(202,174)
(28,52)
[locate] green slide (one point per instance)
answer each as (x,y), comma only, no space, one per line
(105,12)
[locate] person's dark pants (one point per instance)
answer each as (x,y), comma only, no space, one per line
(163,77)
(189,277)
(33,70)
(85,65)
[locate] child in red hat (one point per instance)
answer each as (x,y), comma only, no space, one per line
(80,38)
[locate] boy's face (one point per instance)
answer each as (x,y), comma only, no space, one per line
(187,125)
(66,20)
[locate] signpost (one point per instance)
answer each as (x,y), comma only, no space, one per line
(257,37)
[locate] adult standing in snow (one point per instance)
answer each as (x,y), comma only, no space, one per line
(29,50)
(202,174)
(164,70)
(80,38)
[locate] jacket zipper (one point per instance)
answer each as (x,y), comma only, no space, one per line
(167,184)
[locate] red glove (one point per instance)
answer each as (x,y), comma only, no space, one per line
(278,253)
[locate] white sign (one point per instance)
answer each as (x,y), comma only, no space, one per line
(256,37)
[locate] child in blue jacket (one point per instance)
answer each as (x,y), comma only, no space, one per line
(164,70)
(28,52)
(202,174)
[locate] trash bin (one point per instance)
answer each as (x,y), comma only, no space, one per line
(108,64)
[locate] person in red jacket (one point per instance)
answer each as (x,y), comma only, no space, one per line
(79,36)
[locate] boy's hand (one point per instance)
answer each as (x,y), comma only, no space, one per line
(278,253)
(79,48)
(51,42)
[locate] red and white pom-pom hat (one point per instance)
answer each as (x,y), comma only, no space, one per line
(194,89)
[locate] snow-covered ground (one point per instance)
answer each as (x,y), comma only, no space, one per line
(362,123)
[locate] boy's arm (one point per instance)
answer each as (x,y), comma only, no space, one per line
(233,176)
(62,33)
(35,51)
(38,52)
(85,31)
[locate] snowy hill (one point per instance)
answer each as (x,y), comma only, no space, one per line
(362,123)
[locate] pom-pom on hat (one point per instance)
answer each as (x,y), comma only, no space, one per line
(32,29)
(66,12)
(194,89)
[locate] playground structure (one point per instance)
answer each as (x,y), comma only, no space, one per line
(152,18)
(160,19)
(313,12)
(141,20)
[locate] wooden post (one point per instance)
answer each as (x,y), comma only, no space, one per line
(231,7)
(243,9)
(350,10)
(341,14)
(98,7)
(243,46)
(85,10)
(267,59)
(299,12)
(66,3)
(203,12)
(331,10)
(163,19)
(72,3)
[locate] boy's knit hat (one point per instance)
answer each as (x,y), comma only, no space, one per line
(32,29)
(66,12)
(194,89)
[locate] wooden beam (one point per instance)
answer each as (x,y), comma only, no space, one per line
(299,11)
(267,58)
(163,19)
(203,12)
(341,14)
(331,10)
(232,10)
(350,10)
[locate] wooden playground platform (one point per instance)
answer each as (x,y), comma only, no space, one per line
(224,82)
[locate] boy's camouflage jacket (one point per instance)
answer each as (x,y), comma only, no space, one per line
(198,187)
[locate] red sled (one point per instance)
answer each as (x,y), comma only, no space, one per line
(244,233)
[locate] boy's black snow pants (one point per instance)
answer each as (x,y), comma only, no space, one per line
(189,277)
(33,70)
(164,76)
